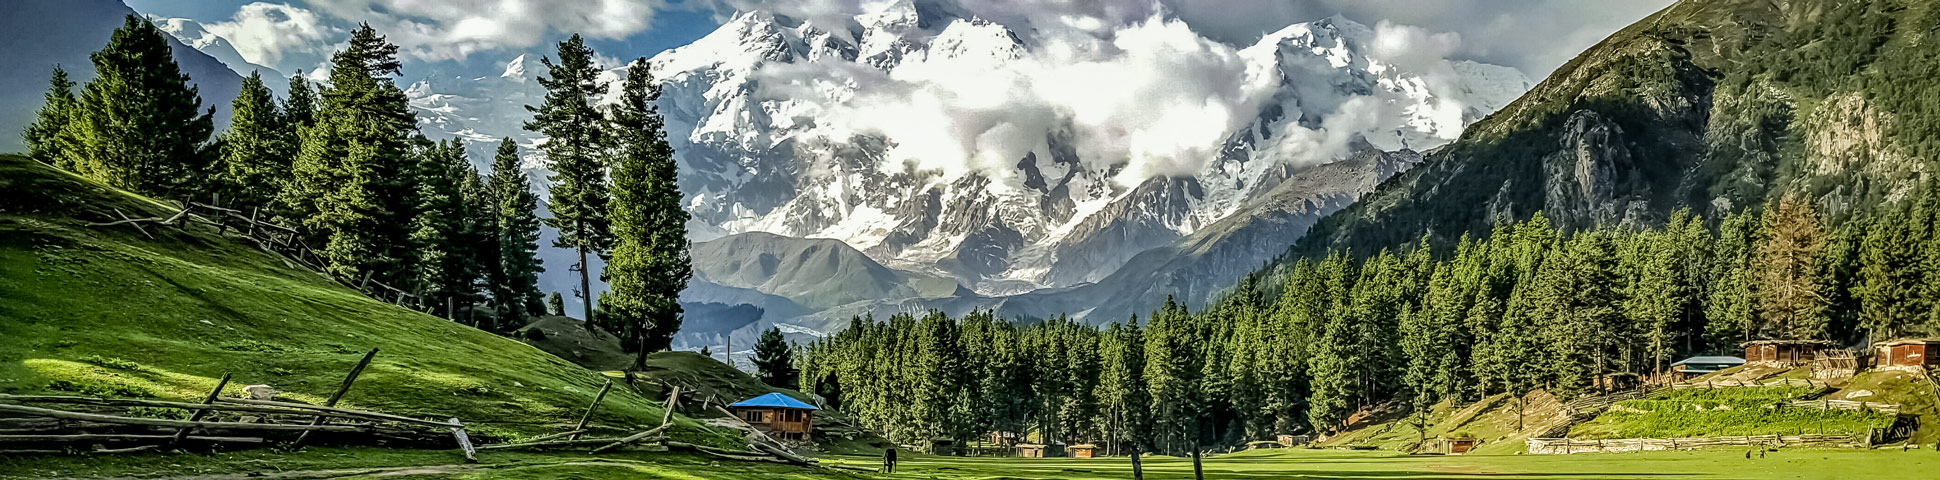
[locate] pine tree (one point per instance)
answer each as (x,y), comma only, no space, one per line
(139,123)
(439,240)
(1791,300)
(349,184)
(649,265)
(256,154)
(517,291)
(773,362)
(300,110)
(1891,276)
(574,146)
(1729,307)
(479,237)
(43,136)
(555,304)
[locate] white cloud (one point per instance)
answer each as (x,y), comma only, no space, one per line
(1148,97)
(1152,96)
(454,29)
(278,35)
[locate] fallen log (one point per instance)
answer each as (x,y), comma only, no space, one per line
(542,438)
(343,412)
(92,437)
(630,439)
(723,454)
(236,405)
(548,443)
(158,422)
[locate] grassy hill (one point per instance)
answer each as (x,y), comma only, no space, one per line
(111,311)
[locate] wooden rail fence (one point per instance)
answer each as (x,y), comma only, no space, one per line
(1564,446)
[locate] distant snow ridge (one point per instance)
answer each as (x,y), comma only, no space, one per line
(857,132)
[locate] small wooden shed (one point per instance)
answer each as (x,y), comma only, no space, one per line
(1039,450)
(1084,450)
(780,416)
(1459,445)
(1912,353)
(1783,353)
(1694,367)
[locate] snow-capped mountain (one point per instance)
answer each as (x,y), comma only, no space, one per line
(40,34)
(193,34)
(967,163)
(748,111)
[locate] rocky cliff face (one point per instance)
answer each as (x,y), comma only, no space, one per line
(1715,106)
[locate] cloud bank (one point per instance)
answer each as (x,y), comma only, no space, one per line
(1131,88)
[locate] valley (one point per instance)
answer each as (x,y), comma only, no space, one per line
(958,239)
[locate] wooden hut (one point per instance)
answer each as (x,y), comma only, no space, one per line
(1694,367)
(1039,450)
(1909,353)
(1783,353)
(1459,445)
(780,416)
(1084,450)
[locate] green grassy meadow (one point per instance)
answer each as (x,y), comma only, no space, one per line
(113,311)
(1721,464)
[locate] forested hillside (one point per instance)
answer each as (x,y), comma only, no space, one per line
(1717,106)
(1723,171)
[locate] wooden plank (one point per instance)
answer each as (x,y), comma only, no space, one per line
(464,441)
(359,414)
(222,404)
(158,422)
(590,408)
(348,380)
(197,416)
(92,437)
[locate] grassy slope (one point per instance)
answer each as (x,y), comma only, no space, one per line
(106,311)
(1724,411)
(1494,421)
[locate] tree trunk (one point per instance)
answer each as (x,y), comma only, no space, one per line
(586,290)
(1198,472)
(1138,471)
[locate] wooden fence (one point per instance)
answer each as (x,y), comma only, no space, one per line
(1564,446)
(1783,382)
(273,238)
(1828,404)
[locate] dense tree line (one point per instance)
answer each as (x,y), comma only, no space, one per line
(344,162)
(1300,349)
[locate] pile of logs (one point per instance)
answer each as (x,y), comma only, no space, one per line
(58,424)
(760,447)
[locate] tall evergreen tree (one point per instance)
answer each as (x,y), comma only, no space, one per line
(1791,300)
(43,136)
(300,109)
(517,290)
(256,152)
(479,237)
(575,143)
(1891,276)
(773,362)
(649,265)
(139,123)
(349,184)
(441,268)
(1729,309)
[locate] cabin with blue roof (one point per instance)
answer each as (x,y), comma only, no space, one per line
(780,416)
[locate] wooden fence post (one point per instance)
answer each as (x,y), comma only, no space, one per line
(464,441)
(590,408)
(197,416)
(354,372)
